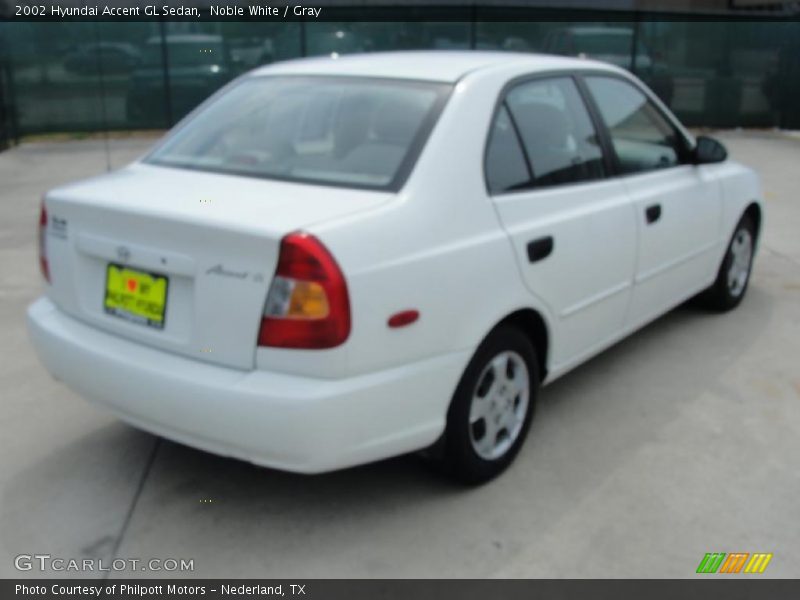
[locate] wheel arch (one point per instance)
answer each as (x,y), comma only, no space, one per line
(753,211)
(534,326)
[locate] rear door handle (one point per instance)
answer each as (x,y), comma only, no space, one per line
(540,248)
(652,213)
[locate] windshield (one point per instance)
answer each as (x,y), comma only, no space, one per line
(356,132)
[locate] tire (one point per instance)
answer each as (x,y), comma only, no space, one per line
(502,406)
(733,276)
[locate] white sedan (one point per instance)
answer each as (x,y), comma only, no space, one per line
(334,261)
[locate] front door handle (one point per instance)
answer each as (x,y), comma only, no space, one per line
(652,213)
(540,248)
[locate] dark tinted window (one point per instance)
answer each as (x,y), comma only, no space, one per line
(186,52)
(642,137)
(557,132)
(505,164)
(599,43)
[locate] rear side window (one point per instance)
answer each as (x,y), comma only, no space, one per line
(643,139)
(354,132)
(506,168)
(552,133)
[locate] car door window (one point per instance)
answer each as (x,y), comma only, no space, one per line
(642,137)
(556,131)
(506,168)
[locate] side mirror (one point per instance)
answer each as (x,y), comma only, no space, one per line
(708,150)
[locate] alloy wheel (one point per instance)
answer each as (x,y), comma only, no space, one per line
(499,405)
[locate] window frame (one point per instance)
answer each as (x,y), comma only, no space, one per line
(685,145)
(610,158)
(609,165)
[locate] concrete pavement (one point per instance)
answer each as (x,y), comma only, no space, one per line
(681,440)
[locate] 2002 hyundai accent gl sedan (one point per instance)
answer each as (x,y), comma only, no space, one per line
(336,261)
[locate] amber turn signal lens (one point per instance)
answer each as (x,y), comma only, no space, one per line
(308,301)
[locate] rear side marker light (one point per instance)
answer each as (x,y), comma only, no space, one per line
(308,305)
(401,319)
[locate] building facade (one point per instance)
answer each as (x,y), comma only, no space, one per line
(717,63)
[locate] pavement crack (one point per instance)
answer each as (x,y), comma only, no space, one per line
(134,501)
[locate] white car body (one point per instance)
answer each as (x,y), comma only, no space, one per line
(440,245)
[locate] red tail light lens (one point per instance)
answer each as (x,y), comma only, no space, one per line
(308,305)
(44,266)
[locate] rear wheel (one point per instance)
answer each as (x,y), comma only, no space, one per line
(733,276)
(492,407)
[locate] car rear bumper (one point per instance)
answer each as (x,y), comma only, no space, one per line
(284,421)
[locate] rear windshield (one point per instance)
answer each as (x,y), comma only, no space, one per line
(356,132)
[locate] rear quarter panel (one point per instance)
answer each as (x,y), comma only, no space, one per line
(437,247)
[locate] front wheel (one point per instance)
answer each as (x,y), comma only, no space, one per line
(733,276)
(492,407)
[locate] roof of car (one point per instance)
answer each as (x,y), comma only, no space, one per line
(430,65)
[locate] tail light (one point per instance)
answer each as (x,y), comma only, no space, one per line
(44,266)
(308,305)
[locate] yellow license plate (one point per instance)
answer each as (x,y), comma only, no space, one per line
(136,296)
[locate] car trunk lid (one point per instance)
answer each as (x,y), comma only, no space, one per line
(215,238)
